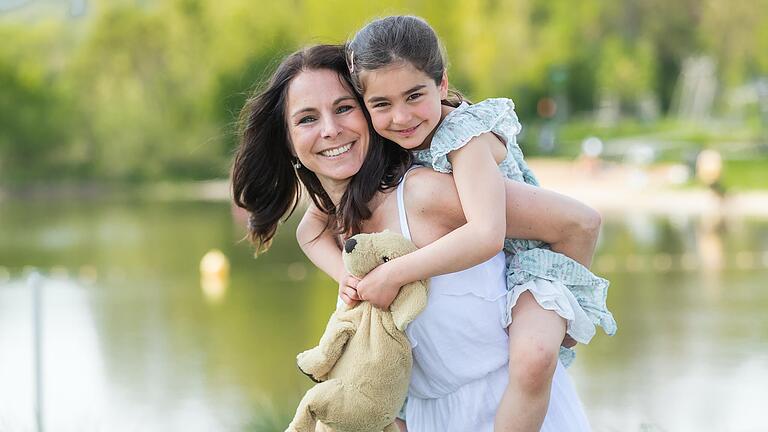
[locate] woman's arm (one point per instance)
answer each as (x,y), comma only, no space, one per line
(569,226)
(481,193)
(319,245)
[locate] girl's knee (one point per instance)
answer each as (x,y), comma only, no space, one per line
(532,366)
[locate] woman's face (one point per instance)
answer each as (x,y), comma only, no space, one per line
(326,126)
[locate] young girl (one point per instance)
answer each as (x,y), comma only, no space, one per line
(398,67)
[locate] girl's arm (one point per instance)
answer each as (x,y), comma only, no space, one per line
(481,192)
(319,245)
(570,227)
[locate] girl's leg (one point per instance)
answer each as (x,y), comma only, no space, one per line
(535,335)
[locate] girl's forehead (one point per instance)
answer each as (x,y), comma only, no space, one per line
(392,77)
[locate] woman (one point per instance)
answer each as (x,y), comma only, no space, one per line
(308,125)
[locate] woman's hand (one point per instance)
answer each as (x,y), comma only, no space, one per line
(380,286)
(348,289)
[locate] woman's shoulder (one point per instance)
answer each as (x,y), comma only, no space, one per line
(433,194)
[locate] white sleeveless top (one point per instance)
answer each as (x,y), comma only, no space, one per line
(460,336)
(461,351)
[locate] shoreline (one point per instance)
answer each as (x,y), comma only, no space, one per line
(609,188)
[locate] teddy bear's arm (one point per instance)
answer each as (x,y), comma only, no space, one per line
(408,304)
(318,361)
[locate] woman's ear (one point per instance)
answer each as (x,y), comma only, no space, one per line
(443,87)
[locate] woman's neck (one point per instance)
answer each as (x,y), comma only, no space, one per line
(335,189)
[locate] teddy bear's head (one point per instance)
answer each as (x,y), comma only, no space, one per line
(364,252)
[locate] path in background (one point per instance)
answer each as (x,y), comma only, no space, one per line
(621,188)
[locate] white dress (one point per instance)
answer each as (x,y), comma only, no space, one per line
(461,354)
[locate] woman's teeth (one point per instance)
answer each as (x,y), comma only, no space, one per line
(337,151)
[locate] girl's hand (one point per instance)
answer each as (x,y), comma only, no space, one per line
(379,287)
(348,289)
(568,342)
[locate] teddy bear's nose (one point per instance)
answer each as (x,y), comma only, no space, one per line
(349,246)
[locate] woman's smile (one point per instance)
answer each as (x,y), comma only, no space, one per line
(337,151)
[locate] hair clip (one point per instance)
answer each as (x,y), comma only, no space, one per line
(351,64)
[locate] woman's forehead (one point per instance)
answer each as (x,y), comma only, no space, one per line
(319,85)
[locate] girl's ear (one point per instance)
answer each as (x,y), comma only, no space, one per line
(443,87)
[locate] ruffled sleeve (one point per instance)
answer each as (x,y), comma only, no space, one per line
(467,122)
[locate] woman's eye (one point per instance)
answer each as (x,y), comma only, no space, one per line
(306,119)
(414,96)
(344,108)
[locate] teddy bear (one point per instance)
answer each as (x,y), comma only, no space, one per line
(363,362)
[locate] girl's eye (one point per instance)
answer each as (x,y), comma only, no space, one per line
(306,119)
(379,105)
(344,108)
(414,96)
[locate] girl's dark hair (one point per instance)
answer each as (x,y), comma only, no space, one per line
(264,180)
(397,39)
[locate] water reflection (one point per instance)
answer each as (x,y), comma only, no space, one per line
(131,330)
(71,354)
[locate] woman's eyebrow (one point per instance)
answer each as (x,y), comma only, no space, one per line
(302,111)
(336,102)
(343,98)
(374,99)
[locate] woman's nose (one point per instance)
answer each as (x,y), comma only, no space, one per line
(331,129)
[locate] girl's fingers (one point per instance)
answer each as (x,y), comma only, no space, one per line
(352,293)
(352,282)
(348,300)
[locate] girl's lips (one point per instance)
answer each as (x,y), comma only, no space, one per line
(409,131)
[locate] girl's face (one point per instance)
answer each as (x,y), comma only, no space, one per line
(404,103)
(326,126)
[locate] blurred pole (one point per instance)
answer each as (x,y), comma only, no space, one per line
(35,282)
(762,99)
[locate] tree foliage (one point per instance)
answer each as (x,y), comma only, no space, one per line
(151,90)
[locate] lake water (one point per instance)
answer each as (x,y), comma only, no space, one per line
(132,341)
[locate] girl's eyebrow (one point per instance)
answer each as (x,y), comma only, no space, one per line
(374,99)
(308,109)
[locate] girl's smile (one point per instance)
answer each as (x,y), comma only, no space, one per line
(404,103)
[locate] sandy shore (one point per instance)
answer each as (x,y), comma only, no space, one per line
(620,188)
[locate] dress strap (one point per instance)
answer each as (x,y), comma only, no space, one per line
(401,207)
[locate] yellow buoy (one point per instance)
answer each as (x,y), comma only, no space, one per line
(214,274)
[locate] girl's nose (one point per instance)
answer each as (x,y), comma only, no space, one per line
(401,116)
